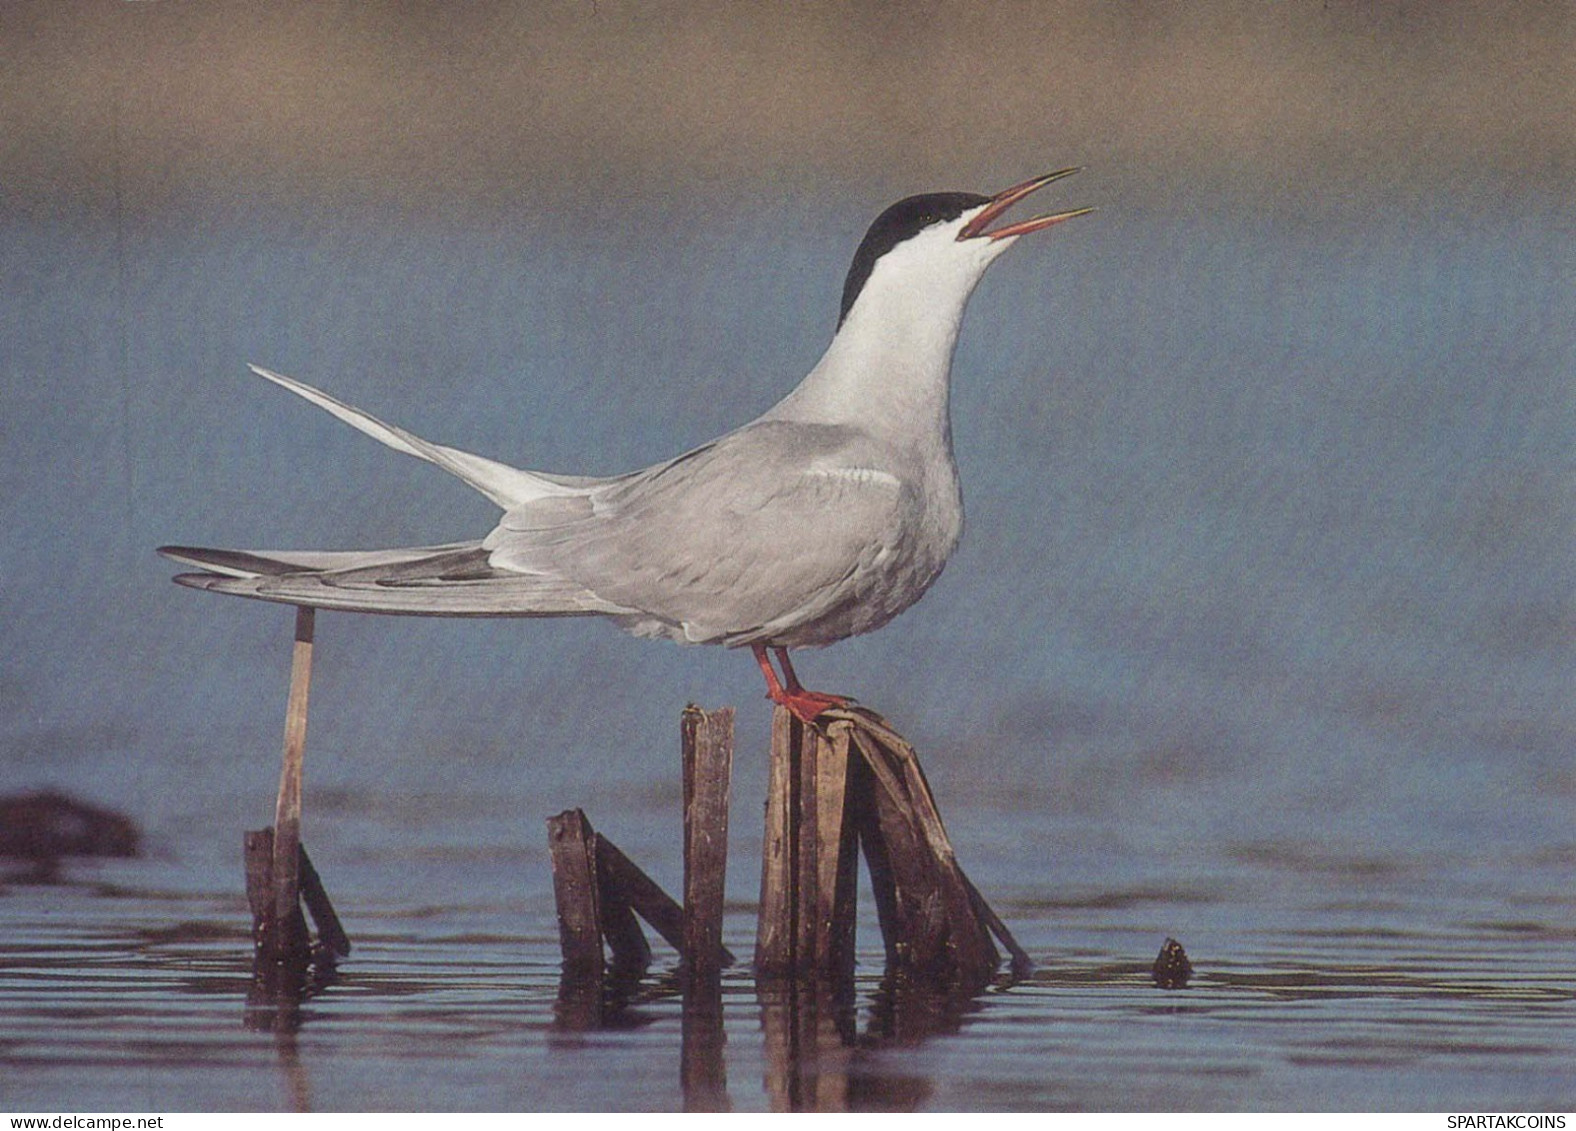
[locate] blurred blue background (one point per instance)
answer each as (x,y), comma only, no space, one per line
(1268,465)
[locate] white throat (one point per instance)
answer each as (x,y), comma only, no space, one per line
(888,368)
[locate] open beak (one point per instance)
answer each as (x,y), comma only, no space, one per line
(1004,200)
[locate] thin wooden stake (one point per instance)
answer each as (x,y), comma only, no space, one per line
(287,812)
(707,747)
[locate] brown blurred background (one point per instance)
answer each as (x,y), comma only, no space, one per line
(1319,105)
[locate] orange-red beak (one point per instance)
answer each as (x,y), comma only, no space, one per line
(1004,200)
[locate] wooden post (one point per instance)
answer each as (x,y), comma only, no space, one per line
(846,783)
(296,950)
(775,930)
(707,752)
(927,905)
(287,812)
(808,870)
(259,848)
(569,840)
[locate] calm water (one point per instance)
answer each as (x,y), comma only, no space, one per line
(1324,981)
(1261,637)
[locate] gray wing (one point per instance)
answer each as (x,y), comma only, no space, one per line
(770,526)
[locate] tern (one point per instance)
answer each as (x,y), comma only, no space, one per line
(822,519)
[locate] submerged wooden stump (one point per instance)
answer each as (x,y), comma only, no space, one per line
(285,957)
(845,783)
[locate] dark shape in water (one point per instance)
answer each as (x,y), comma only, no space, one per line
(46,825)
(288,965)
(1172,969)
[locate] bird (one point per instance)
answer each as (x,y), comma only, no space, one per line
(822,519)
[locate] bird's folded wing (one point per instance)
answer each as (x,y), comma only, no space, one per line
(772,520)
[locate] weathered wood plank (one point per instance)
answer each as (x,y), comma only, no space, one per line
(806,838)
(330,930)
(707,752)
(774,931)
(631,952)
(259,850)
(570,844)
(836,852)
(926,902)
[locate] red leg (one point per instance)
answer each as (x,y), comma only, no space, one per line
(805,705)
(790,677)
(774,689)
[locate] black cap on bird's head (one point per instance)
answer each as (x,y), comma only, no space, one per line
(908,217)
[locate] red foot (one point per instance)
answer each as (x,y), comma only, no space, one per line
(805,705)
(808,705)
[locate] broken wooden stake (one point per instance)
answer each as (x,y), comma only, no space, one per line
(934,932)
(285,942)
(1172,969)
(808,868)
(846,783)
(706,741)
(330,931)
(570,843)
(622,881)
(599,892)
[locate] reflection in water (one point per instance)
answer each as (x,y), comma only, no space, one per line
(1393,1017)
(815,1057)
(273,1005)
(586,1005)
(817,1060)
(808,1029)
(703,1072)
